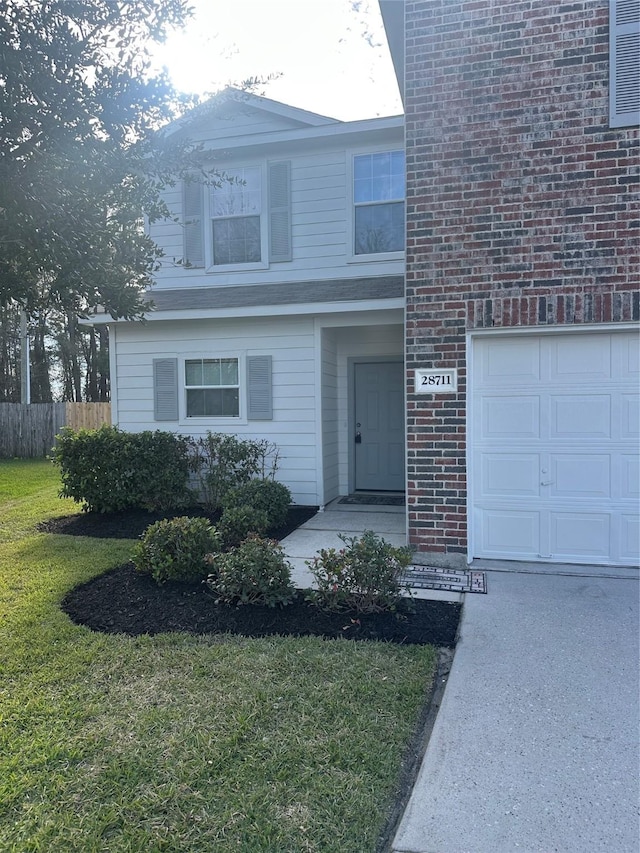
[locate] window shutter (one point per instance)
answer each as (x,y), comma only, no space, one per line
(193,221)
(280,211)
(624,63)
(165,389)
(259,389)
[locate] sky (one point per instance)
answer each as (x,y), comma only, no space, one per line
(326,56)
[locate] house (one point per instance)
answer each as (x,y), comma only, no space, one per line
(522,279)
(279,305)
(492,368)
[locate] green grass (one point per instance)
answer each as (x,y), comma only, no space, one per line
(176,742)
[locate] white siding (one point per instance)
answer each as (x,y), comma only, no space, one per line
(320,226)
(290,342)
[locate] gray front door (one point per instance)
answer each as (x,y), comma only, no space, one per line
(379,426)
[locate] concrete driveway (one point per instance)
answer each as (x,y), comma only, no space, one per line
(535,747)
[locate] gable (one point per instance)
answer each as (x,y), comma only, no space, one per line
(234,113)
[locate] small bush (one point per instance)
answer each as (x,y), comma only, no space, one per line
(108,470)
(238,522)
(263,496)
(364,576)
(255,572)
(221,462)
(175,549)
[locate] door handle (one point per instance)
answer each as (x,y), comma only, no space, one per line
(547,482)
(358,438)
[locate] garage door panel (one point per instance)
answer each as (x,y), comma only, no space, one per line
(580,416)
(580,534)
(629,536)
(511,362)
(510,533)
(580,475)
(627,361)
(630,477)
(630,416)
(575,359)
(510,474)
(513,417)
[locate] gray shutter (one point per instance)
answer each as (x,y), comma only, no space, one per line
(624,63)
(165,389)
(193,221)
(280,211)
(259,389)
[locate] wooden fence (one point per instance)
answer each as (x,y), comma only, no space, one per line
(29,431)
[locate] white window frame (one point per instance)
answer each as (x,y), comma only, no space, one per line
(263,263)
(352,257)
(241,386)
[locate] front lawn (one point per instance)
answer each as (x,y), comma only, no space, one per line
(179,742)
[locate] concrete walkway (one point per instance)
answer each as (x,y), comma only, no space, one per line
(535,747)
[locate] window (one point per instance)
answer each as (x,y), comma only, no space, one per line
(212,388)
(245,220)
(235,208)
(378,195)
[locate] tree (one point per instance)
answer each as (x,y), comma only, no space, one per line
(80,159)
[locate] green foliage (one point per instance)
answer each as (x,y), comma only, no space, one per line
(364,576)
(238,522)
(221,462)
(108,470)
(175,549)
(80,159)
(255,572)
(261,495)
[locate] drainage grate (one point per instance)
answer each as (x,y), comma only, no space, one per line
(426,577)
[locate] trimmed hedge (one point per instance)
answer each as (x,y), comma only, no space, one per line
(109,470)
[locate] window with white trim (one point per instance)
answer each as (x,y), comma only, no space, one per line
(379,198)
(235,208)
(212,387)
(244,220)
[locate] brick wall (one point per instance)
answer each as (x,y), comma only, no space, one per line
(520,208)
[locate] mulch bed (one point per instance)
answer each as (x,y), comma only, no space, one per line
(123,601)
(132,523)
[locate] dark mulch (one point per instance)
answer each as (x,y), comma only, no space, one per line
(123,601)
(131,523)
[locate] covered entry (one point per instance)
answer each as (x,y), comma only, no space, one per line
(555,447)
(362,382)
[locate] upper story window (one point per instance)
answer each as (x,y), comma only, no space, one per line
(378,196)
(235,208)
(245,221)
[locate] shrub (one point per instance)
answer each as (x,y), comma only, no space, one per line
(108,470)
(221,462)
(263,496)
(364,576)
(238,522)
(255,572)
(175,549)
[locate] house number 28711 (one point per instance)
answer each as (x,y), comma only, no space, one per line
(436,381)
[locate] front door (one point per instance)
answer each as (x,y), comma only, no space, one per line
(379,426)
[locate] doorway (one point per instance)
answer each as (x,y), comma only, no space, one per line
(378,439)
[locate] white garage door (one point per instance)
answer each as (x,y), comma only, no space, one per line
(554,433)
